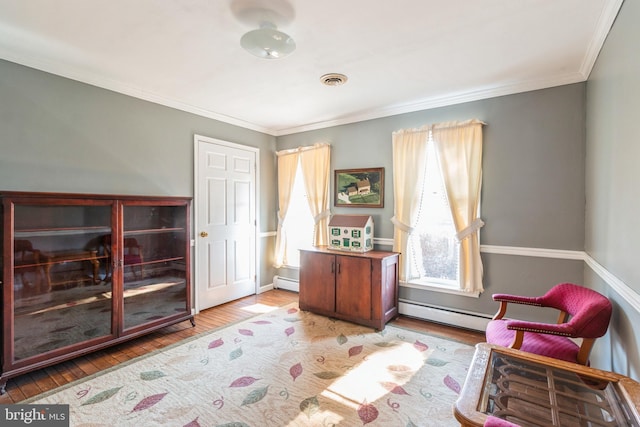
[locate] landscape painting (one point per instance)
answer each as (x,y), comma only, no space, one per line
(359,187)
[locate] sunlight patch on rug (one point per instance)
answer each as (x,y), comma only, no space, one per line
(281,368)
(372,379)
(259,308)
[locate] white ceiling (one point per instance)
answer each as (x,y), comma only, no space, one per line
(399,56)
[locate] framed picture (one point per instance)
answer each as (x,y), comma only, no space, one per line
(359,188)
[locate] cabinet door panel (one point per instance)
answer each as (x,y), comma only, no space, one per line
(317,281)
(60,295)
(80,272)
(353,286)
(153,263)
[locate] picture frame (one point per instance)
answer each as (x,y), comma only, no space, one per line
(362,187)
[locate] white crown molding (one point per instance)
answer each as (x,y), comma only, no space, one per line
(605,22)
(458,98)
(125,89)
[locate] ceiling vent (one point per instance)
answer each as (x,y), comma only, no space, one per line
(333,79)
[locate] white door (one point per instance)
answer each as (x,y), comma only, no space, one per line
(225,216)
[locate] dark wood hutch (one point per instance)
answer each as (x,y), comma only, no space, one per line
(81,272)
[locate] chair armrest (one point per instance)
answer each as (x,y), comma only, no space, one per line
(562,329)
(504,299)
(517,299)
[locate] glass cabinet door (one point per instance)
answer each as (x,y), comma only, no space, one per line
(153,262)
(61,297)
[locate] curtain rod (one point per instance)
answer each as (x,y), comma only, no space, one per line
(450,125)
(301,149)
(443,125)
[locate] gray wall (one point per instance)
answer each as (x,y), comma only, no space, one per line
(532,191)
(64,136)
(59,135)
(560,172)
(612,179)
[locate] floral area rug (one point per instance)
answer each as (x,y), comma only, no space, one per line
(283,368)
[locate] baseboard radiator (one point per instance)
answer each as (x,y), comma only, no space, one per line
(474,321)
(286,283)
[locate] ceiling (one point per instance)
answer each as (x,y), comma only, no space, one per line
(399,56)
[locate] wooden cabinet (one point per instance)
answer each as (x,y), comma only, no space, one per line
(358,287)
(82,272)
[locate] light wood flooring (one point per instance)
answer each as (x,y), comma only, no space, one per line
(36,382)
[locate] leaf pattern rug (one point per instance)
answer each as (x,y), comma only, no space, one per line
(283,368)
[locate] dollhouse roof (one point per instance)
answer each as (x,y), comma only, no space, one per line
(349,220)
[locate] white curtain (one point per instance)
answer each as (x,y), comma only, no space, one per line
(459,150)
(409,166)
(287,168)
(316,170)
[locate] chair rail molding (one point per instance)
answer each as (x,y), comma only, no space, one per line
(533,252)
(621,288)
(625,291)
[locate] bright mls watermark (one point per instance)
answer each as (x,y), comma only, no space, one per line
(34,415)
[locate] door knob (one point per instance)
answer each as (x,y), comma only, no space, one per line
(203,234)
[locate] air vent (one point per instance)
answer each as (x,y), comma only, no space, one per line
(333,79)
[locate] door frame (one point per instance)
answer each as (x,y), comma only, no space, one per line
(196,174)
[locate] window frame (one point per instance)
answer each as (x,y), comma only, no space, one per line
(299,181)
(435,284)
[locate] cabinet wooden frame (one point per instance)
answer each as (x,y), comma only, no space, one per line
(358,287)
(40,217)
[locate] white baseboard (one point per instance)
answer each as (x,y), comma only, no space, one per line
(475,321)
(280,282)
(265,288)
(471,321)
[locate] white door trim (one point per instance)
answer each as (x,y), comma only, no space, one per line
(200,138)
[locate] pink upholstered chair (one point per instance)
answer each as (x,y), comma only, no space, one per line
(498,422)
(584,314)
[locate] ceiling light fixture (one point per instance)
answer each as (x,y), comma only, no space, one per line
(267,42)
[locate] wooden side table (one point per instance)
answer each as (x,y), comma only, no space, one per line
(532,390)
(57,257)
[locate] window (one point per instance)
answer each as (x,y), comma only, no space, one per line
(303,201)
(433,250)
(440,236)
(298,225)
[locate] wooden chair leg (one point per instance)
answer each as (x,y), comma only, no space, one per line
(517,340)
(585,350)
(501,311)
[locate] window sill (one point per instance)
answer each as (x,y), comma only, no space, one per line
(288,267)
(436,287)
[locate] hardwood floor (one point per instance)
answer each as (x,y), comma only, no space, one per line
(36,382)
